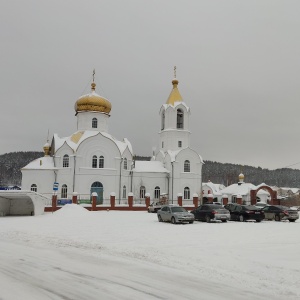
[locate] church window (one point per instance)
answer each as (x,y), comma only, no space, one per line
(33,188)
(187,166)
(142,192)
(94,162)
(64,191)
(163,121)
(101,162)
(94,123)
(179,119)
(162,144)
(186,193)
(179,144)
(124,192)
(157,192)
(66,161)
(125,163)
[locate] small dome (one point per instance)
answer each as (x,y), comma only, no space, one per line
(47,149)
(241,177)
(93,102)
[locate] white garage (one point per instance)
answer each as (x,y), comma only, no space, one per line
(21,203)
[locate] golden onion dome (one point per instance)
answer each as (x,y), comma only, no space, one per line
(92,102)
(241,177)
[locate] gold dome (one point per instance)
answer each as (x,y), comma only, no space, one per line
(175,94)
(92,102)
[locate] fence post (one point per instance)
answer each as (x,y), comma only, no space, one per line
(54,202)
(179,199)
(112,200)
(130,200)
(94,200)
(147,200)
(195,200)
(74,197)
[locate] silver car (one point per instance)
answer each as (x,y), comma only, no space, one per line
(174,214)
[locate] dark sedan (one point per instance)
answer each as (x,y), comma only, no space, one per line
(246,212)
(211,212)
(278,213)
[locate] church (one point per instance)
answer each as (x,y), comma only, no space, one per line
(92,161)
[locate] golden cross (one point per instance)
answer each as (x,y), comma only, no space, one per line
(174,71)
(94,75)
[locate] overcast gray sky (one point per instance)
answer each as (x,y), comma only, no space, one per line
(237,65)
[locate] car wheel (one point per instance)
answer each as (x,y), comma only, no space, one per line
(277,218)
(242,219)
(224,221)
(207,219)
(160,218)
(292,220)
(258,221)
(191,222)
(149,211)
(173,221)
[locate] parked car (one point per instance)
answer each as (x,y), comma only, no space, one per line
(174,214)
(154,207)
(211,212)
(279,212)
(231,206)
(246,212)
(261,204)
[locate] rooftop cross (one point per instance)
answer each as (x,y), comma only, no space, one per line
(174,71)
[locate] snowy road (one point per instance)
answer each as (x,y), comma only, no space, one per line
(129,255)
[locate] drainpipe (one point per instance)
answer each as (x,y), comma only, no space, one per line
(172,163)
(120,180)
(74,173)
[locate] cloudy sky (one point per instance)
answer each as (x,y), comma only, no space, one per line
(237,65)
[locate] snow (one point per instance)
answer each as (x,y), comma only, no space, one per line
(77,254)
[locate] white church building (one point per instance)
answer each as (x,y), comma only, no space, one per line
(92,160)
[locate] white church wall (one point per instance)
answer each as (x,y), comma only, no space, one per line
(84,121)
(44,180)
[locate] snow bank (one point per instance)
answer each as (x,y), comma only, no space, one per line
(71,210)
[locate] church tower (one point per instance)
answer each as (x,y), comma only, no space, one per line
(174,116)
(92,111)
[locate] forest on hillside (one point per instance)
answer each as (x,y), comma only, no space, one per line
(224,173)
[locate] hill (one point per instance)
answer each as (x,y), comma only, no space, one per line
(225,173)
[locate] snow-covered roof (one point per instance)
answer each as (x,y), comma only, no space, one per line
(242,188)
(150,166)
(78,137)
(42,163)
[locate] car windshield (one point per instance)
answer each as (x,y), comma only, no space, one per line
(178,209)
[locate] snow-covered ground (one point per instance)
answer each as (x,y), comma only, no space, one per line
(77,254)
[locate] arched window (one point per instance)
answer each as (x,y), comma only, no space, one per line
(66,161)
(33,188)
(187,166)
(101,162)
(142,192)
(163,121)
(157,192)
(94,123)
(94,162)
(179,119)
(125,163)
(186,194)
(124,192)
(64,191)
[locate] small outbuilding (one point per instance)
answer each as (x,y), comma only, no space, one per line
(21,203)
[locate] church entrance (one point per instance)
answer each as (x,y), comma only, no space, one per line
(97,187)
